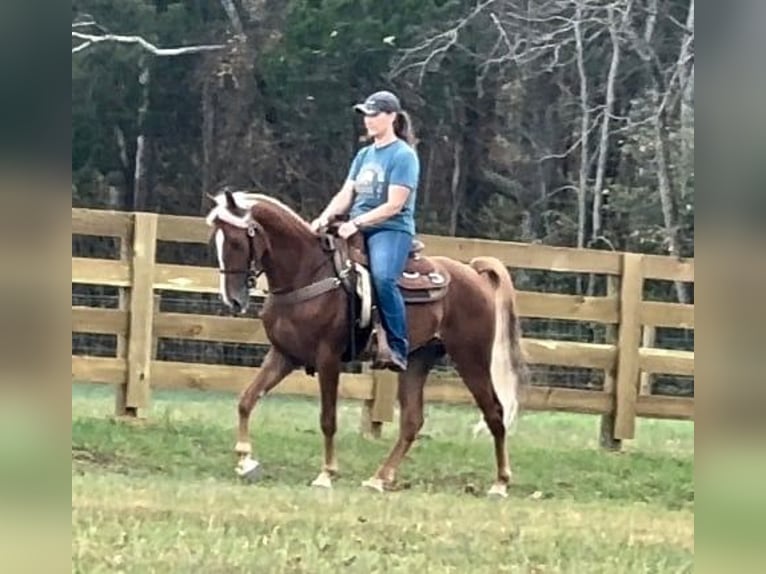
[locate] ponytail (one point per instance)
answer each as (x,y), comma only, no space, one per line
(403,128)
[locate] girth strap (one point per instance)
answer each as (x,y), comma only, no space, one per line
(307,292)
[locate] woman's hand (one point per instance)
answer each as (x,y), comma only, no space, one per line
(319,223)
(347,229)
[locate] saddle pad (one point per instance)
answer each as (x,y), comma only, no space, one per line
(364,291)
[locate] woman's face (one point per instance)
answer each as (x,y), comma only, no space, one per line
(378,124)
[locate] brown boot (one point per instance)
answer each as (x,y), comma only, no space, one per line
(384,356)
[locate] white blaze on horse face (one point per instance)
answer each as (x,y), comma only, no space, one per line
(219,241)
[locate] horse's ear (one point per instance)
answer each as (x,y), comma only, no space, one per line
(230,202)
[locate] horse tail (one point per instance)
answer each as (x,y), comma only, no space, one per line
(509,370)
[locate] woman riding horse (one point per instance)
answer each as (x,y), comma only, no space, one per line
(379,195)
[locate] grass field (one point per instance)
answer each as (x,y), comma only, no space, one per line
(162,496)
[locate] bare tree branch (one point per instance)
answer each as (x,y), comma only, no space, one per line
(434,47)
(592,125)
(91,39)
(81,47)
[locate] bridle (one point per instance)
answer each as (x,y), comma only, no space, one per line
(253,271)
(339,278)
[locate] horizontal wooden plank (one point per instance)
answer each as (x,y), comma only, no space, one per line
(666,361)
(107,370)
(174,375)
(573,307)
(660,314)
(534,398)
(182,228)
(569,400)
(100,272)
(236,330)
(662,407)
(186,278)
(95,320)
(194,279)
(569,354)
(526,255)
(210,328)
(668,268)
(513,254)
(101,222)
(532,256)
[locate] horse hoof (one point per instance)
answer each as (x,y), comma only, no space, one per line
(499,490)
(374,483)
(322,481)
(248,468)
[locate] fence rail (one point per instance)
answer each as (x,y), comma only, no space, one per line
(628,358)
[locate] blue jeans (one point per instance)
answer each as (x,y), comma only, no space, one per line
(387,250)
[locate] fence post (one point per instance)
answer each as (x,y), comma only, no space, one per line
(629,341)
(141,323)
(366,426)
(380,408)
(607,439)
(121,392)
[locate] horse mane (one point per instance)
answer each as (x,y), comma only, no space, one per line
(261,199)
(247,201)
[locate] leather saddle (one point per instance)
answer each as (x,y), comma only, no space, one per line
(422,281)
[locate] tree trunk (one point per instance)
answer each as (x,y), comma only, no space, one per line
(208,149)
(426,202)
(662,97)
(125,200)
(687,133)
(686,83)
(651,20)
(140,187)
(603,148)
(231,12)
(582,190)
(455,187)
(667,197)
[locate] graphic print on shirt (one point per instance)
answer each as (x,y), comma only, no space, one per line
(369,182)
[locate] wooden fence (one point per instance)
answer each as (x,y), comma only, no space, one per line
(628,358)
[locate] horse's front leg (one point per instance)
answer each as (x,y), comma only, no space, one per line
(274,369)
(328,369)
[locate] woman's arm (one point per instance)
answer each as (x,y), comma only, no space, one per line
(397,195)
(340,203)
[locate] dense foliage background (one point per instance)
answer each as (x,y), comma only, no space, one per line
(561,121)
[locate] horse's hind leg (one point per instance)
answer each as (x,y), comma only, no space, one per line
(411,384)
(477,376)
(274,369)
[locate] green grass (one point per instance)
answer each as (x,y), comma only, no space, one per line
(162,496)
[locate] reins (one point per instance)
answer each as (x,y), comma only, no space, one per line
(290,296)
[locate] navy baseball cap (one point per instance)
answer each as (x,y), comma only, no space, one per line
(378,102)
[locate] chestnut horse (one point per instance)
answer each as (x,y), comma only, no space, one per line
(467,311)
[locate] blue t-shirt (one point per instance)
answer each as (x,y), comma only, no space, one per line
(373,170)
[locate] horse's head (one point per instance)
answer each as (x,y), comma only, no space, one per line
(241,245)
